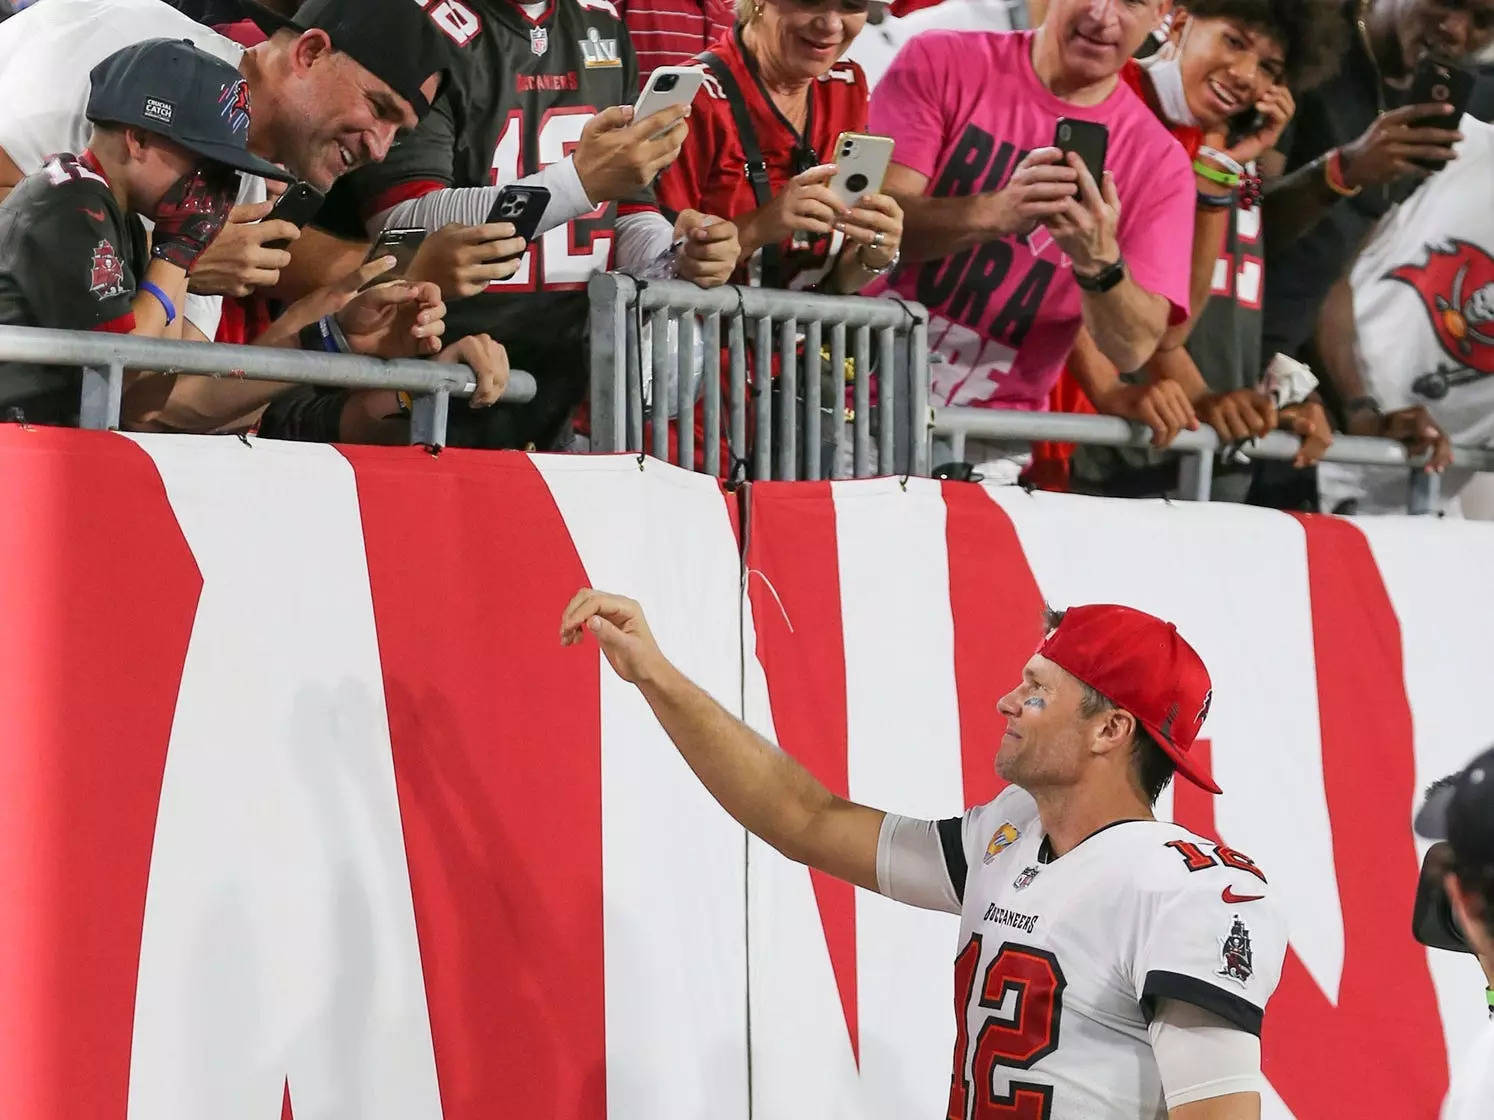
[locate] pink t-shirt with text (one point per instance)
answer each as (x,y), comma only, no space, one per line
(964,107)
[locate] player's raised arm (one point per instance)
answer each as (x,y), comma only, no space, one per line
(1235,1106)
(762,787)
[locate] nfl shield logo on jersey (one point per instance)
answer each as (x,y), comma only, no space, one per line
(105,271)
(1025,879)
(1234,951)
(1002,838)
(539,40)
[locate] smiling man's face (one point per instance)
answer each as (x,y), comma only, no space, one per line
(1095,37)
(1451,29)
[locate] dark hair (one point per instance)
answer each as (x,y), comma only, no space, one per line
(1313,34)
(1152,767)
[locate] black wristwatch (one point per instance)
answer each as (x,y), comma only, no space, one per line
(1102,281)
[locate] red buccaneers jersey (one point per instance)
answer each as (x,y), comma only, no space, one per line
(527,88)
(1061,961)
(710,174)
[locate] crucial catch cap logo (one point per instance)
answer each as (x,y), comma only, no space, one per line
(158,110)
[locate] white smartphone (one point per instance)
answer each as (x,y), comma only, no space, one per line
(861,164)
(666,87)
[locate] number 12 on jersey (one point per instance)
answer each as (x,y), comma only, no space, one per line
(1023,987)
(554,261)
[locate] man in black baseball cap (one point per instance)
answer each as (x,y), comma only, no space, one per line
(170,125)
(1459,812)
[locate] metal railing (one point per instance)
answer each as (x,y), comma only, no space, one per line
(800,428)
(1200,448)
(104,358)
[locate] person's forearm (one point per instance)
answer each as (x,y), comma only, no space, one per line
(1174,363)
(1127,323)
(1337,342)
(318,259)
(937,227)
(150,312)
(763,788)
(470,206)
(1295,203)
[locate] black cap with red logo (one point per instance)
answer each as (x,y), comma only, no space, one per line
(173,89)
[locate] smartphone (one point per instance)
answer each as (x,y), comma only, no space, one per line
(1441,82)
(666,87)
(1086,139)
(861,161)
(402,245)
(523,206)
(298,205)
(1247,122)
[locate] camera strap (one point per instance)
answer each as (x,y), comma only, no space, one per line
(756,168)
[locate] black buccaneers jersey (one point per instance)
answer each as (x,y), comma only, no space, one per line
(528,87)
(69,259)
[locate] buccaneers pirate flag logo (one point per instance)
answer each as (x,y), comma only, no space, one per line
(1456,286)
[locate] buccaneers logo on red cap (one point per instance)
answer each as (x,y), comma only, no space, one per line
(105,271)
(1457,287)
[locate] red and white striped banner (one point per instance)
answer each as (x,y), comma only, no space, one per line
(304,811)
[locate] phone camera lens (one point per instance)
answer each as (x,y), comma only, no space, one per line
(847,148)
(1441,93)
(667,82)
(1065,134)
(857,182)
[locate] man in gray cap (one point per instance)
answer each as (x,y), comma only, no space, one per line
(1460,811)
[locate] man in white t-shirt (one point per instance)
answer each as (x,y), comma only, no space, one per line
(1460,811)
(1407,339)
(328,95)
(1153,949)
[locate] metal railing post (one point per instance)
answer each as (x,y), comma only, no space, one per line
(812,366)
(861,409)
(762,385)
(428,415)
(659,396)
(103,388)
(1196,476)
(609,300)
(837,405)
(737,406)
(685,392)
(920,430)
(886,398)
(788,396)
(711,410)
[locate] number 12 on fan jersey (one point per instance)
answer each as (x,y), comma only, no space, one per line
(565,257)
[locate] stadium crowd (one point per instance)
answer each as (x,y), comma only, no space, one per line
(1270,215)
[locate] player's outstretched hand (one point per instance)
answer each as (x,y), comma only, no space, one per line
(621,630)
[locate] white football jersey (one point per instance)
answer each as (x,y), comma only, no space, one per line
(46,53)
(1061,961)
(1424,313)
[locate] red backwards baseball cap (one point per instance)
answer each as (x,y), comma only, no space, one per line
(1143,664)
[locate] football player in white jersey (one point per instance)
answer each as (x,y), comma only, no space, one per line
(1110,966)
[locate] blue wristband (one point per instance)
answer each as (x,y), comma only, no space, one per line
(1216,201)
(324,335)
(166,304)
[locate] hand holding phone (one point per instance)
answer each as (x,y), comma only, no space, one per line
(298,205)
(1438,82)
(1087,139)
(861,165)
(402,245)
(667,87)
(522,206)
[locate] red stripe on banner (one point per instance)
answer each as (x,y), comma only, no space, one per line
(998,623)
(98,592)
(286,1112)
(793,582)
(1385,995)
(498,766)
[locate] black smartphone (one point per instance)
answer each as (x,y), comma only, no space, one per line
(402,245)
(1086,139)
(1437,81)
(521,205)
(298,205)
(1247,122)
